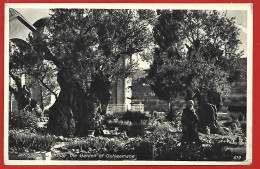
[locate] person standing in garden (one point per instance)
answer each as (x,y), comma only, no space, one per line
(189,122)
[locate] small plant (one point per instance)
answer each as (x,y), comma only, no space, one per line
(22,119)
(114,146)
(98,145)
(88,144)
(30,140)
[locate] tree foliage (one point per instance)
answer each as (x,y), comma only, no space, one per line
(196,50)
(23,61)
(90,42)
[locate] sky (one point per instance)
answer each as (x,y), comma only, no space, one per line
(241,22)
(33,14)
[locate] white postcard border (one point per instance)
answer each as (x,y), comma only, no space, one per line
(193,6)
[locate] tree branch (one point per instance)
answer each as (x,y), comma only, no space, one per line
(46,86)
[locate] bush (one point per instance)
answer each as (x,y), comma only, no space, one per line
(122,125)
(144,150)
(160,106)
(22,119)
(98,145)
(236,116)
(171,115)
(128,121)
(175,152)
(163,127)
(116,115)
(137,129)
(224,118)
(134,117)
(30,140)
(158,146)
(88,144)
(139,147)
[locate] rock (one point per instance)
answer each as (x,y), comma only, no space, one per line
(60,139)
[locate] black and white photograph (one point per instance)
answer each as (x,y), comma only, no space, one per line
(128,84)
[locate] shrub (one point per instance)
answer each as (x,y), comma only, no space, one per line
(30,140)
(144,150)
(116,115)
(122,125)
(160,106)
(128,121)
(98,145)
(163,127)
(134,117)
(88,144)
(171,115)
(22,119)
(137,129)
(140,147)
(226,118)
(114,146)
(176,152)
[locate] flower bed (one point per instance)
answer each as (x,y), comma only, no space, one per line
(20,141)
(131,122)
(158,146)
(158,143)
(98,148)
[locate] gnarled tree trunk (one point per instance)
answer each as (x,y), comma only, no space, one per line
(76,107)
(208,105)
(209,102)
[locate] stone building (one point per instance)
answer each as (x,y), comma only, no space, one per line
(122,94)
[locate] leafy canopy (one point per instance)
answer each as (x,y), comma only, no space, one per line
(90,42)
(196,51)
(25,61)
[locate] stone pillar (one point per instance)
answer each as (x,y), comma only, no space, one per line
(23,80)
(121,91)
(13,106)
(128,87)
(114,94)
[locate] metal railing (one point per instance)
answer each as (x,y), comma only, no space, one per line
(112,108)
(137,107)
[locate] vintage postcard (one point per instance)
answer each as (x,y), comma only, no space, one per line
(128,84)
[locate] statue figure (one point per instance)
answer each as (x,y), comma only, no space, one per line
(189,122)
